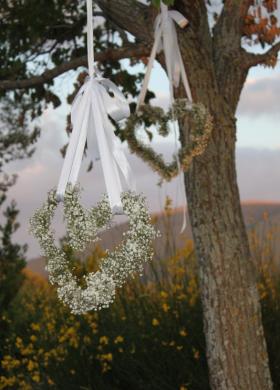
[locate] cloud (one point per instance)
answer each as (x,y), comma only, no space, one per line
(261,96)
(258,173)
(258,176)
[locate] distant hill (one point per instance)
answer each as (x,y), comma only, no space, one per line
(254,214)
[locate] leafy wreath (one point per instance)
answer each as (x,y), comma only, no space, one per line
(82,227)
(200,130)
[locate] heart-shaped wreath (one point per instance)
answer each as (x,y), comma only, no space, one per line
(200,127)
(82,228)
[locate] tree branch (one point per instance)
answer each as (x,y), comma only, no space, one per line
(228,54)
(135,51)
(230,24)
(131,15)
(269,58)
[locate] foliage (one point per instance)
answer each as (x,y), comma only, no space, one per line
(156,3)
(12,261)
(261,25)
(36,36)
(151,337)
(31,44)
(142,342)
(12,256)
(16,138)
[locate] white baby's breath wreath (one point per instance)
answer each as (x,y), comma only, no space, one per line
(82,227)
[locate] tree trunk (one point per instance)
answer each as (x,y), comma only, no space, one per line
(236,348)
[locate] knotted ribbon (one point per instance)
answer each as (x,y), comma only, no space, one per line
(166,39)
(96,101)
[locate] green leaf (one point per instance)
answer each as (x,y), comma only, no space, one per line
(156,3)
(168,2)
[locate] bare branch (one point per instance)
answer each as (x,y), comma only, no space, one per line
(269,58)
(227,50)
(231,22)
(131,51)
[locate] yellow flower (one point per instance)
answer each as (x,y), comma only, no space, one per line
(33,338)
(9,363)
(87,340)
(183,333)
(50,382)
(61,339)
(172,343)
(183,387)
(181,297)
(155,322)
(28,350)
(72,372)
(107,357)
(35,327)
(7,382)
(105,367)
(50,326)
(31,365)
(104,340)
(163,294)
(165,307)
(118,340)
(196,354)
(179,347)
(94,327)
(36,377)
(19,343)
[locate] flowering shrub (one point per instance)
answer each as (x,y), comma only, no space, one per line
(150,338)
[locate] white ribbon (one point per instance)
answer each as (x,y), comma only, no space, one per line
(97,100)
(166,39)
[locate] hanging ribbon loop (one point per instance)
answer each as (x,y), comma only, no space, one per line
(96,101)
(166,39)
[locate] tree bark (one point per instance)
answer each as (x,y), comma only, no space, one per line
(236,348)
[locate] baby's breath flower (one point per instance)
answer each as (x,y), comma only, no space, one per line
(82,228)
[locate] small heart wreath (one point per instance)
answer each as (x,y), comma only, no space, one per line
(200,127)
(82,227)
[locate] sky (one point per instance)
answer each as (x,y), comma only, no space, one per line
(258,154)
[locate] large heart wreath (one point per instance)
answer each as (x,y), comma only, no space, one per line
(82,227)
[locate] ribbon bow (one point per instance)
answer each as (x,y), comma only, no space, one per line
(166,40)
(97,100)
